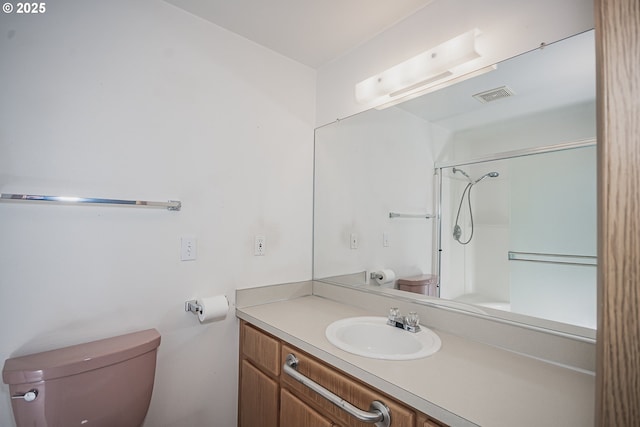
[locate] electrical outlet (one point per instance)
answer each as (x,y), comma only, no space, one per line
(188,248)
(259,246)
(353,241)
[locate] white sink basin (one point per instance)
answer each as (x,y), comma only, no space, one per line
(372,337)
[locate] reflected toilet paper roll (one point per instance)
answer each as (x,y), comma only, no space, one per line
(385,276)
(213,308)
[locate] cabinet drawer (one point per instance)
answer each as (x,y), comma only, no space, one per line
(347,388)
(261,349)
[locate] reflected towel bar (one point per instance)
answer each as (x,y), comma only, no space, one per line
(401,215)
(172,205)
(585,260)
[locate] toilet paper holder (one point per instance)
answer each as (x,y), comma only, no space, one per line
(193,306)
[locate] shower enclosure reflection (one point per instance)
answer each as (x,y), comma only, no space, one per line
(526,241)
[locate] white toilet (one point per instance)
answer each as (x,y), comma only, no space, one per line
(103,383)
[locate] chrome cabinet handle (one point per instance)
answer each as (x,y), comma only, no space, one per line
(29,396)
(378,412)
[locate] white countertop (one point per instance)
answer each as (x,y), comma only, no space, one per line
(466,383)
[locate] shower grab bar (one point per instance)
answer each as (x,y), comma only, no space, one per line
(378,414)
(585,260)
(172,205)
(402,215)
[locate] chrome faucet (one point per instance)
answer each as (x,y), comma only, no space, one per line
(408,323)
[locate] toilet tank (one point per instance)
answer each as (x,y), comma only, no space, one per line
(103,383)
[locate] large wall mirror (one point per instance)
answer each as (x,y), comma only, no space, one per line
(482,194)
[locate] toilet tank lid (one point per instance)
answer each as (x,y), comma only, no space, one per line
(79,358)
(421,280)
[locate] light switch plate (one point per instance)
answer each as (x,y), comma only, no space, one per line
(188,248)
(259,246)
(353,241)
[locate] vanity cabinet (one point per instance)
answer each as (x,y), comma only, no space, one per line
(259,388)
(270,397)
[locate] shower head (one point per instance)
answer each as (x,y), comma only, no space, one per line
(457,230)
(490,175)
(462,172)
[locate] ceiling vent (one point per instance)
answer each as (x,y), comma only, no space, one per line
(494,94)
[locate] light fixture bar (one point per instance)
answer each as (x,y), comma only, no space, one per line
(421,84)
(426,68)
(412,93)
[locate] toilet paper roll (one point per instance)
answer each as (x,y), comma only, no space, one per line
(213,308)
(385,276)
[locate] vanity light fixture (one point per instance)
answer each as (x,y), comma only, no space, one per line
(447,60)
(432,88)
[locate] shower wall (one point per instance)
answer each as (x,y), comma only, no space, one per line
(553,211)
(474,269)
(509,215)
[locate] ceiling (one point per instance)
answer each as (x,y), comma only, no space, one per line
(313,32)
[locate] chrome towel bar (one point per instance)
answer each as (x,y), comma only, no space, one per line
(378,414)
(172,205)
(585,260)
(403,215)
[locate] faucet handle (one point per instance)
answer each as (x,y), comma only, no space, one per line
(394,318)
(413,319)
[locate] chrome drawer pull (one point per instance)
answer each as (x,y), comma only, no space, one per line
(378,412)
(29,396)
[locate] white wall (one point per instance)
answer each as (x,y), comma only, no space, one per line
(142,100)
(509,28)
(367,166)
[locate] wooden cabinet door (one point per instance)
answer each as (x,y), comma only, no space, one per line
(295,413)
(425,421)
(258,404)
